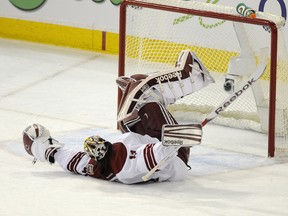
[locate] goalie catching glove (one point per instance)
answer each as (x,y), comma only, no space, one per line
(38,143)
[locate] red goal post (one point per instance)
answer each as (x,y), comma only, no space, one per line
(129,11)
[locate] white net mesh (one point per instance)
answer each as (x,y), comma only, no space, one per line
(155,37)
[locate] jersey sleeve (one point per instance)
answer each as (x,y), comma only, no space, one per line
(80,163)
(71,160)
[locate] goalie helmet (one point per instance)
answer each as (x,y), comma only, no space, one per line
(96,147)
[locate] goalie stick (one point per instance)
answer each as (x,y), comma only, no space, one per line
(198,127)
(237,93)
(191,134)
(185,135)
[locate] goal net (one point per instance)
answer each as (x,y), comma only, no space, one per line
(154,32)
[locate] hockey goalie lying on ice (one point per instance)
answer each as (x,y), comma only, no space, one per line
(138,155)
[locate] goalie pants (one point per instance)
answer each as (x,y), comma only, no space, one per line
(152,117)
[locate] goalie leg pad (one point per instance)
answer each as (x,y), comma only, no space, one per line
(166,87)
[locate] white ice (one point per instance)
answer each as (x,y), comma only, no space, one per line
(73,93)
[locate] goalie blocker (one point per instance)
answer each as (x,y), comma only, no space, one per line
(185,135)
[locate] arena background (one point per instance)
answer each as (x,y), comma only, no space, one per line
(90,25)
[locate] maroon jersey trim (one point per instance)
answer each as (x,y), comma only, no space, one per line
(149,156)
(73,163)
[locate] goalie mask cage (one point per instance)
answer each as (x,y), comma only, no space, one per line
(154,32)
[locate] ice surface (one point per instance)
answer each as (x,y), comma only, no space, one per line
(73,93)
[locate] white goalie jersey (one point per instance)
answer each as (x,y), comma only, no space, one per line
(143,154)
(132,156)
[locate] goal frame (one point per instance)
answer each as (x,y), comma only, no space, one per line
(209,14)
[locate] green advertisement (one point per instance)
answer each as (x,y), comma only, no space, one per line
(27,5)
(30,5)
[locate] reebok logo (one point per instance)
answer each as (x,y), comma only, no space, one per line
(173,142)
(168,76)
(234,96)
